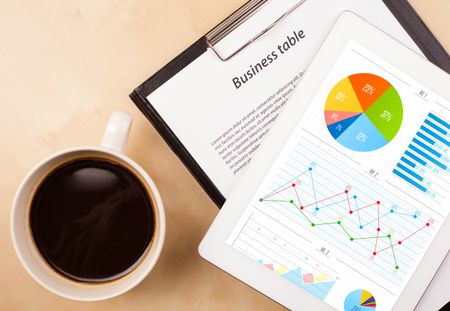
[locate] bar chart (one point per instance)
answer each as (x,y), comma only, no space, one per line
(425,165)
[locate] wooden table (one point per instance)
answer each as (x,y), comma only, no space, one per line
(65,66)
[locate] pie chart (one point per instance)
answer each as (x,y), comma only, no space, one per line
(363,112)
(361,300)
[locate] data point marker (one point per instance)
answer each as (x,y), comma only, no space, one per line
(336,201)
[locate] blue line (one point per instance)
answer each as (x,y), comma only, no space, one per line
(438,137)
(428,157)
(283,185)
(407,170)
(409,180)
(430,150)
(314,189)
(415,158)
(357,210)
(331,204)
(411,215)
(439,120)
(406,161)
(426,138)
(436,127)
(373,220)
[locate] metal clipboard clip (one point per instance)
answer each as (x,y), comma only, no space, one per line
(238,18)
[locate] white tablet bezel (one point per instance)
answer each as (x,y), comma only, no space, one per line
(214,247)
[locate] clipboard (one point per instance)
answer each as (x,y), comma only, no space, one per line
(401,10)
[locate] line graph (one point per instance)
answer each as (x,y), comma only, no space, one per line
(347,203)
(353,219)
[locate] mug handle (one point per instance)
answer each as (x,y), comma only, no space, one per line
(117,131)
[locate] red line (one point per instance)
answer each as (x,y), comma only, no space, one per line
(401,241)
(378,208)
(415,232)
(358,209)
(268,196)
(296,193)
(348,201)
(386,248)
(324,199)
(376,243)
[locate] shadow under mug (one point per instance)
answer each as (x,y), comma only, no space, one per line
(112,149)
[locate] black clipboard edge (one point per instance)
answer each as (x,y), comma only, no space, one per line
(420,33)
(176,145)
(401,9)
(173,67)
(139,97)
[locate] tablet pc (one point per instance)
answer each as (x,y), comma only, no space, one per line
(345,205)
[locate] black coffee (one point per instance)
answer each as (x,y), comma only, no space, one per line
(92,220)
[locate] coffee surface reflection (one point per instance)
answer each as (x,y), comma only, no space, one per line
(92,220)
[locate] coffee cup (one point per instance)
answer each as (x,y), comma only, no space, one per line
(55,266)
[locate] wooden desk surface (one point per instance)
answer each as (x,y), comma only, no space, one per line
(65,66)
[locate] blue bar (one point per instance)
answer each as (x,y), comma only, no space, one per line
(405,160)
(428,157)
(426,138)
(430,150)
(409,180)
(443,140)
(437,128)
(439,120)
(407,170)
(415,158)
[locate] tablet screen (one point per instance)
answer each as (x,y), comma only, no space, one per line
(357,194)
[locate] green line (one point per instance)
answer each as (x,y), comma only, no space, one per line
(344,230)
(393,253)
(327,223)
(299,209)
(337,223)
(305,216)
(371,237)
(281,201)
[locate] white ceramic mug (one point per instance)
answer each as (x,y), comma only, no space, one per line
(112,148)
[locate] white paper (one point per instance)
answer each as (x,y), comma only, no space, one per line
(222,123)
